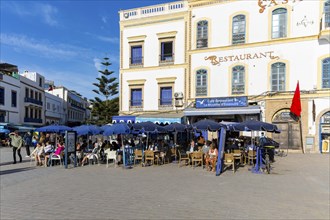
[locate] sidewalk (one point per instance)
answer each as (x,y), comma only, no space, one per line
(298,188)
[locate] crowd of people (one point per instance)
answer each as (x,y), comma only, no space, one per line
(49,145)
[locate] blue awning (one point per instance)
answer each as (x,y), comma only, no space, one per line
(123,118)
(158,120)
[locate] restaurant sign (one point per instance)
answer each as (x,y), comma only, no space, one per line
(215,60)
(222,102)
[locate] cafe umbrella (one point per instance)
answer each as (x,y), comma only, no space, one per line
(4,130)
(253,125)
(54,128)
(87,130)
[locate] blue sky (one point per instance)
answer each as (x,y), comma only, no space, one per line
(63,40)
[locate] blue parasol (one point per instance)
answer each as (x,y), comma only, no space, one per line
(54,128)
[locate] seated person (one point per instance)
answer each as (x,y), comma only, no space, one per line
(60,148)
(91,155)
(212,158)
(192,147)
(206,147)
(48,148)
(79,153)
(37,153)
(200,141)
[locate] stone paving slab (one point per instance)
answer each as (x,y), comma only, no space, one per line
(298,188)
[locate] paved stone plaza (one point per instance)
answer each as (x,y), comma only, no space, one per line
(298,188)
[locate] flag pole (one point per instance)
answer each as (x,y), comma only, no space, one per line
(301,137)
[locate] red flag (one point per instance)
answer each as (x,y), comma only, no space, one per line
(50,88)
(295,110)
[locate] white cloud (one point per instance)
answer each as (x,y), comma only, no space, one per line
(104,19)
(36,46)
(48,12)
(45,12)
(113,40)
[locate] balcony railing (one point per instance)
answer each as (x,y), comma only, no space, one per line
(202,43)
(166,58)
(77,106)
(165,103)
(135,105)
(136,61)
(33,120)
(160,9)
(34,101)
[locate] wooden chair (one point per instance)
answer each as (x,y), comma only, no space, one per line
(183,157)
(197,157)
(173,153)
(229,161)
(163,157)
(149,156)
(251,156)
(138,156)
(238,152)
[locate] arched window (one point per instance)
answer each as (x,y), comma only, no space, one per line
(326,73)
(327,14)
(238,80)
(238,35)
(201,82)
(202,34)
(278,77)
(279,23)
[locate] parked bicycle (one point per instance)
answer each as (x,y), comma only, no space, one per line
(267,157)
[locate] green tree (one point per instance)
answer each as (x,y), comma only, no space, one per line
(107,87)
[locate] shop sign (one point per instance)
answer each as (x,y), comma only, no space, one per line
(223,102)
(215,60)
(326,118)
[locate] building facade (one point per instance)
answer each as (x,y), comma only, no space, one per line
(32,99)
(9,95)
(27,101)
(74,106)
(242,58)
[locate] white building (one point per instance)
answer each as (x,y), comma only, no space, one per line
(32,99)
(245,55)
(54,113)
(74,106)
(9,99)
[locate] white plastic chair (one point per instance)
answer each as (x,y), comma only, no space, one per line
(111,155)
(55,157)
(91,157)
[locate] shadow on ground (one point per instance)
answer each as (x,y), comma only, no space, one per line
(11,162)
(4,172)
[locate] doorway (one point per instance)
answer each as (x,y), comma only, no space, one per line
(290,133)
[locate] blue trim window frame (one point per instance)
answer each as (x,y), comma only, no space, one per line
(238,80)
(279,23)
(238,32)
(326,73)
(13,99)
(201,82)
(166,53)
(327,14)
(136,97)
(278,76)
(136,55)
(2,96)
(202,34)
(166,94)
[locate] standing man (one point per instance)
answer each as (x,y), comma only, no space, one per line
(27,141)
(16,143)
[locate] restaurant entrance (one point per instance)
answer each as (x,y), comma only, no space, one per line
(290,134)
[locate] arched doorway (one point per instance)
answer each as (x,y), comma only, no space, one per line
(325,133)
(290,134)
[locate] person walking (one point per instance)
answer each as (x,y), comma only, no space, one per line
(16,143)
(27,138)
